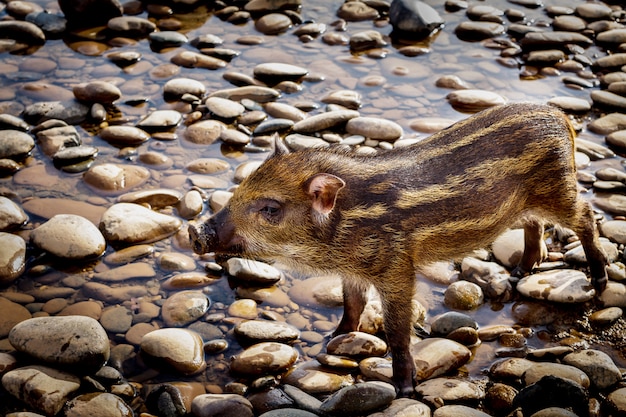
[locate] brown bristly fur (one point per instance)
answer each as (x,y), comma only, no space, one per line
(376,219)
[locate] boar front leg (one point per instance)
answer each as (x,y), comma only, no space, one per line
(354,300)
(398,313)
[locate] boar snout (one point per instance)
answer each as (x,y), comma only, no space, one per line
(203,238)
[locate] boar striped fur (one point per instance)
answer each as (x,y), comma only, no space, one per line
(376,219)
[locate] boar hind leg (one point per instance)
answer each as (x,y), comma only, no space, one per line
(583,224)
(354,300)
(533,247)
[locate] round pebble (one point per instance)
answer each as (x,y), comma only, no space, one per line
(264,358)
(69,236)
(178,350)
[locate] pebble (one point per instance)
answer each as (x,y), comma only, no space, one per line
(184,307)
(315,379)
(356,344)
(178,87)
(97,92)
(450,390)
(12,257)
(473,101)
(75,342)
(69,236)
(124,135)
(221,404)
(71,112)
(40,387)
(324,121)
(245,309)
(130,223)
(99,403)
(541,369)
(561,286)
(125,272)
(190,59)
(273,23)
(115,178)
(253,271)
(131,26)
(255,331)
(359,399)
(12,314)
(264,358)
(477,31)
(606,316)
(458,411)
(116,319)
(177,350)
(437,356)
(463,295)
(15,144)
(159,120)
(12,216)
(273,72)
(223,108)
(597,365)
(207,165)
(374,128)
(204,132)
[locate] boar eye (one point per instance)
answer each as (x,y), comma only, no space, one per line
(271,210)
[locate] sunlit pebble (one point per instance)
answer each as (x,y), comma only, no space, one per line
(400,70)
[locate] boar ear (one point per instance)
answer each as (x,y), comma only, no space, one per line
(323,190)
(280,148)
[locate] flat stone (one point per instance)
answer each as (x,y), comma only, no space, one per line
(190,59)
(124,135)
(15,144)
(356,344)
(597,365)
(11,215)
(75,342)
(12,314)
(374,128)
(184,307)
(115,178)
(437,356)
(160,120)
(204,132)
(69,236)
(72,112)
(178,350)
(12,257)
(130,223)
(264,358)
(474,100)
(97,92)
(131,26)
(562,286)
(253,271)
(42,388)
(177,87)
(324,121)
(156,198)
(26,32)
(257,331)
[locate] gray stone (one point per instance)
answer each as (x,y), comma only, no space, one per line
(69,236)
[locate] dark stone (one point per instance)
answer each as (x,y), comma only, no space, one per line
(413,18)
(85,13)
(552,391)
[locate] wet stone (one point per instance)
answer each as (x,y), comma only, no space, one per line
(12,257)
(190,59)
(451,389)
(243,308)
(11,215)
(356,344)
(12,314)
(360,398)
(451,321)
(264,358)
(22,31)
(357,11)
(474,100)
(570,104)
(541,369)
(115,178)
(463,295)
(166,39)
(606,316)
(131,26)
(204,132)
(124,135)
(477,31)
(40,387)
(71,341)
(414,17)
(207,165)
(273,23)
(69,236)
(365,40)
(253,271)
(436,356)
(71,112)
(98,403)
(178,87)
(221,404)
(184,307)
(614,295)
(55,139)
(563,286)
(324,121)
(15,144)
(275,72)
(156,198)
(457,411)
(178,350)
(160,120)
(97,92)
(224,108)
(74,155)
(130,223)
(597,365)
(255,331)
(374,128)
(136,270)
(116,319)
(609,123)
